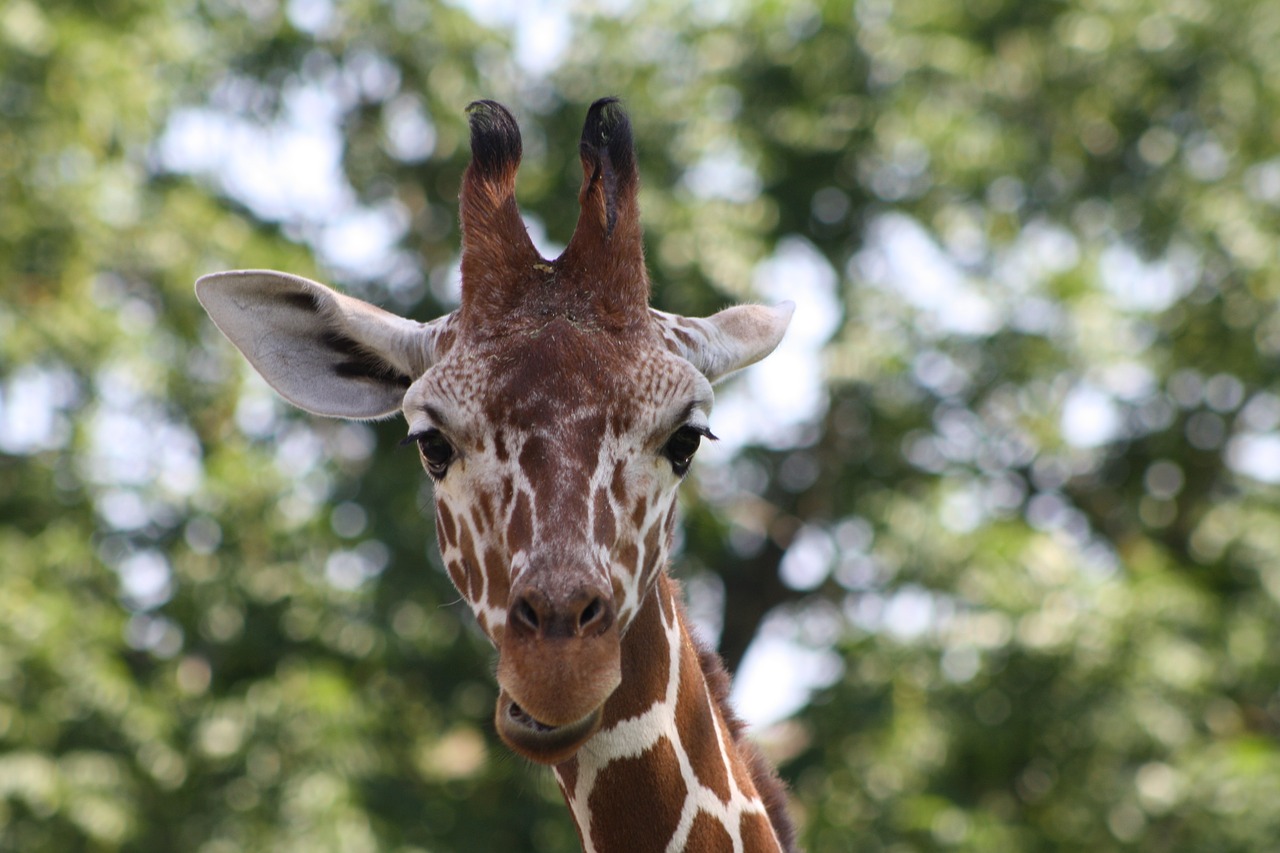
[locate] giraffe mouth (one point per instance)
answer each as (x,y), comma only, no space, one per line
(538,741)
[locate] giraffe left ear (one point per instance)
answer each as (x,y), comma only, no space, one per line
(322,351)
(728,341)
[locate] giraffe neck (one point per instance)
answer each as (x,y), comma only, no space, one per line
(668,770)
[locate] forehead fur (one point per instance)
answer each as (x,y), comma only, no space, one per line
(547,376)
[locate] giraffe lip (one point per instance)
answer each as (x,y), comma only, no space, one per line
(538,741)
(521,717)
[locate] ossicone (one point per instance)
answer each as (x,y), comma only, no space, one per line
(607,247)
(601,272)
(497,254)
(496,147)
(608,161)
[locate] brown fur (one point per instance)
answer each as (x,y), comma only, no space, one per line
(499,262)
(771,788)
(599,279)
(608,243)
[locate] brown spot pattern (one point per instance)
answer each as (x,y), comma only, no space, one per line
(638,513)
(496,570)
(697,727)
(457,575)
(445,527)
(618,483)
(474,581)
(625,802)
(645,664)
(708,835)
(520,527)
(484,517)
(757,833)
(627,556)
(568,776)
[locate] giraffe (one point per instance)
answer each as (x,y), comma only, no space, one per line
(555,413)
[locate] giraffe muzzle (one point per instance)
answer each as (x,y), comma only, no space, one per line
(553,691)
(559,661)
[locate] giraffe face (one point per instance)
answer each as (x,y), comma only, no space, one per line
(555,453)
(555,411)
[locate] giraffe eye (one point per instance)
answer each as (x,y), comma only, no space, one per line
(683,443)
(436,451)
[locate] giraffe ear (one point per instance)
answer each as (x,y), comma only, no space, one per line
(324,352)
(728,341)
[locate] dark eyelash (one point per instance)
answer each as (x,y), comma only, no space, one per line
(677,450)
(436,450)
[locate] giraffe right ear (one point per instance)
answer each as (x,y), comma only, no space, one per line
(728,341)
(324,352)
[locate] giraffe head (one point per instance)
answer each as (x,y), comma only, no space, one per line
(555,412)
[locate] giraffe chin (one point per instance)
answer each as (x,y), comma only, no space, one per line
(537,741)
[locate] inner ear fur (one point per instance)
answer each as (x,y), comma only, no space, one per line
(325,352)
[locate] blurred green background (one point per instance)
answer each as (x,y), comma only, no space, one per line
(994,540)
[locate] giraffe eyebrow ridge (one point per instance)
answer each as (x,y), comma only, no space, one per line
(435,419)
(434,415)
(697,405)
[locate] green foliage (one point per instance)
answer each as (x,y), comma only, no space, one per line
(1037,504)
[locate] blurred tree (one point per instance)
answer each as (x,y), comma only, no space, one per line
(1025,527)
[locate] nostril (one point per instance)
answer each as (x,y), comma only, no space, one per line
(525,614)
(593,617)
(534,614)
